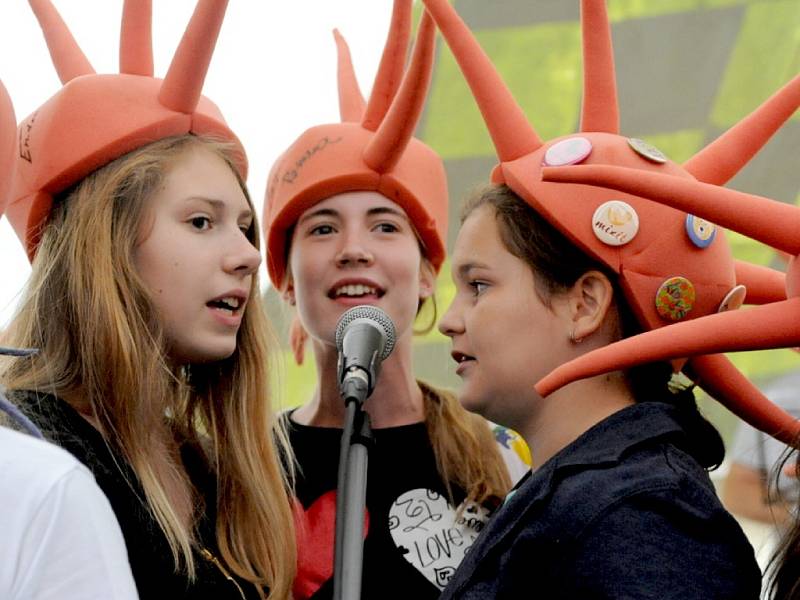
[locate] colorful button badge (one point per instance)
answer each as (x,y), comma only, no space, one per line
(675,298)
(615,223)
(646,150)
(567,152)
(733,299)
(700,231)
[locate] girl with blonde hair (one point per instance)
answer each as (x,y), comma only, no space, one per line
(129,195)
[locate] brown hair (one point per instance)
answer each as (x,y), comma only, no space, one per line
(102,348)
(556,264)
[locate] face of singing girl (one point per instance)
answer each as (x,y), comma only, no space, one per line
(356,248)
(504,337)
(195,258)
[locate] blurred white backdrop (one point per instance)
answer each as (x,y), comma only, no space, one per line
(273,74)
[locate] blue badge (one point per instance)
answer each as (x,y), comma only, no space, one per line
(700,231)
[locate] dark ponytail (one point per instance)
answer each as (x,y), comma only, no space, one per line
(557,264)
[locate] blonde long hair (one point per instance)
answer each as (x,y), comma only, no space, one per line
(102,349)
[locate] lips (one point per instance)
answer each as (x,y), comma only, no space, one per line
(355,288)
(229,303)
(460,357)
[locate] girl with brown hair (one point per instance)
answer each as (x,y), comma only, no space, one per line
(356,214)
(129,194)
(554,282)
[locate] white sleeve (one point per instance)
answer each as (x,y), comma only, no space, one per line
(72,547)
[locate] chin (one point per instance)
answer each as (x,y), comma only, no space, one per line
(474,403)
(202,354)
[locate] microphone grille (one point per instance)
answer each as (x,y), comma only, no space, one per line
(371,313)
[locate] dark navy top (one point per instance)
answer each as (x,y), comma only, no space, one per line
(623,512)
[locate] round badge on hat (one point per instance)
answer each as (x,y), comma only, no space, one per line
(675,298)
(568,152)
(615,223)
(733,299)
(646,150)
(700,231)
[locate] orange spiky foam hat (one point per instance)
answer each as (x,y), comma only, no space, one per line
(8,135)
(96,118)
(672,266)
(372,149)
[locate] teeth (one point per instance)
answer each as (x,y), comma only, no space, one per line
(355,290)
(231,301)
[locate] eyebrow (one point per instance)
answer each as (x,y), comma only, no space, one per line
(220,205)
(378,210)
(467,267)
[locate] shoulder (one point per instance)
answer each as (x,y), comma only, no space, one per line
(35,461)
(58,525)
(653,468)
(652,540)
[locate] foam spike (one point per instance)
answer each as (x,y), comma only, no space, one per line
(136,38)
(351,101)
(187,72)
(392,65)
(724,157)
(68,58)
(600,111)
(513,136)
(392,137)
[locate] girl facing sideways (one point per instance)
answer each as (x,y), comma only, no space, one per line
(552,279)
(143,303)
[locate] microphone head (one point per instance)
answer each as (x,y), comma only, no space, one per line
(376,317)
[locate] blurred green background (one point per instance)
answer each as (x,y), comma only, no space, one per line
(686,71)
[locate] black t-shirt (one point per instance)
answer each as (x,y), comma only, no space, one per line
(414,539)
(148,551)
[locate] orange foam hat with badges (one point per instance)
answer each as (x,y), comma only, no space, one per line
(774,325)
(671,266)
(372,149)
(96,118)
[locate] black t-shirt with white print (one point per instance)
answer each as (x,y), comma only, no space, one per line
(414,537)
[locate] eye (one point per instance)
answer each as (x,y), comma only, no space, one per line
(478,287)
(387,227)
(321,230)
(201,223)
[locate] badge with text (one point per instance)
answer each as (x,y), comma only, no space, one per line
(615,223)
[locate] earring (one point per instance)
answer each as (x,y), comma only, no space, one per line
(573,339)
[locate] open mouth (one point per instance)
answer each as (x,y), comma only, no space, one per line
(355,290)
(460,357)
(227,305)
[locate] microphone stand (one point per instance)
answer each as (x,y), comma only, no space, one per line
(352,489)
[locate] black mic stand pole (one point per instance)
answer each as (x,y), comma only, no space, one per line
(352,489)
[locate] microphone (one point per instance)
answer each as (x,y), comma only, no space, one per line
(365,336)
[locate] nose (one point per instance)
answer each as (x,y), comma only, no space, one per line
(353,252)
(451,324)
(243,257)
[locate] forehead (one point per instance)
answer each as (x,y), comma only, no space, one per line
(202,173)
(354,204)
(479,236)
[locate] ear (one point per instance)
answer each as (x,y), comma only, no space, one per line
(288,291)
(427,280)
(589,301)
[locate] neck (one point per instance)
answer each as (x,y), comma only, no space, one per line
(569,412)
(396,399)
